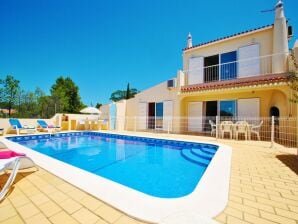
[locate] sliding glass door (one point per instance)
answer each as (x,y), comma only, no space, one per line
(228,67)
(155,115)
(159,116)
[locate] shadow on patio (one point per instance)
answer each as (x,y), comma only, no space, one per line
(290,161)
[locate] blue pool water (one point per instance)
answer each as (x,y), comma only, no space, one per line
(161,168)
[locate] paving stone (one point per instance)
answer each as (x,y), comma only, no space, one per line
(234,212)
(58,196)
(233,220)
(38,219)
(101,221)
(108,213)
(77,194)
(258,205)
(85,216)
(63,218)
(277,218)
(294,208)
(39,199)
(243,195)
(256,220)
(284,200)
(70,205)
(13,220)
(125,220)
(28,210)
(288,214)
(7,212)
(272,203)
(49,208)
(65,187)
(91,202)
(222,218)
(19,200)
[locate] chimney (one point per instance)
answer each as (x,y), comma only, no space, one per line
(280,40)
(189,41)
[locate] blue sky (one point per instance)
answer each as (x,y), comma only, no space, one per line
(103,45)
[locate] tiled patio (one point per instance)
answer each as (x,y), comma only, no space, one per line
(263,189)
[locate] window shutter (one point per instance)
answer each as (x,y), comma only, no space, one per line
(168,115)
(142,116)
(249,61)
(196,70)
(195,112)
(249,108)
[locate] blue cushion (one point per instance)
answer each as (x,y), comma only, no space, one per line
(15,123)
(42,123)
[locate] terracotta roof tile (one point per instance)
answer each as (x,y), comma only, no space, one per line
(240,82)
(226,37)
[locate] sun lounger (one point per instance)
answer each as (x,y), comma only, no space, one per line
(16,125)
(10,160)
(44,126)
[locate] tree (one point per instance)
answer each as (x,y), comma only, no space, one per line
(123,94)
(118,95)
(293,79)
(98,105)
(66,93)
(9,92)
(127,92)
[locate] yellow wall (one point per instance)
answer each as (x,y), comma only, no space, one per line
(158,93)
(264,38)
(269,97)
(105,111)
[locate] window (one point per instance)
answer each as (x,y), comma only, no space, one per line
(228,108)
(228,67)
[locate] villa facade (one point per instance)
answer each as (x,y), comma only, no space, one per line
(241,75)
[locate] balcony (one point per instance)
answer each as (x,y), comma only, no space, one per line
(245,69)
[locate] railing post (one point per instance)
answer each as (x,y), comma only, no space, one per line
(272,132)
(217,126)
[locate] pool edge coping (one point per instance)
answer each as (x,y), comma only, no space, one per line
(208,199)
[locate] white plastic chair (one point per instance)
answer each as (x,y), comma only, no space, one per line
(226,127)
(256,130)
(213,128)
(241,127)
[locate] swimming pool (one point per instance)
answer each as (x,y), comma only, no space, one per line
(161,168)
(205,194)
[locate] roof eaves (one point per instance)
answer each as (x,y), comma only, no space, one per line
(229,36)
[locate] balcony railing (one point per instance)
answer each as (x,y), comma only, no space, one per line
(236,69)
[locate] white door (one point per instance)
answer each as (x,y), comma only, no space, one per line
(249,108)
(168,115)
(196,70)
(249,61)
(142,116)
(195,112)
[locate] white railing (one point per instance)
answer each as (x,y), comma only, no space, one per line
(274,131)
(232,70)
